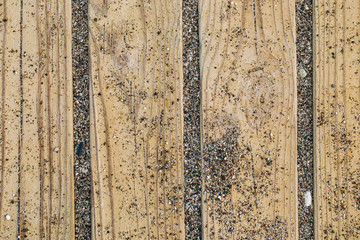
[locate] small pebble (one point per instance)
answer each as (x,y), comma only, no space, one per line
(7,217)
(80,148)
(332,85)
(302,73)
(308,199)
(56,149)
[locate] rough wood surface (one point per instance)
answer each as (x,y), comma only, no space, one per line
(248,74)
(337,119)
(10,117)
(36,120)
(136,119)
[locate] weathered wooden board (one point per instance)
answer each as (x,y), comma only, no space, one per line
(337,119)
(10,117)
(136,119)
(248,75)
(36,120)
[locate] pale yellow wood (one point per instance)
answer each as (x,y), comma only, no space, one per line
(10,117)
(136,119)
(41,125)
(248,76)
(337,119)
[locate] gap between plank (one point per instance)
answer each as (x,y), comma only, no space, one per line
(82,166)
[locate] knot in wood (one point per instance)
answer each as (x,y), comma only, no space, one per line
(260,95)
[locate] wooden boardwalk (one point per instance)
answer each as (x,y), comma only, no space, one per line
(36,195)
(248,119)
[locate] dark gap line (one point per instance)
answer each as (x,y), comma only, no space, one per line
(304,52)
(192,139)
(82,166)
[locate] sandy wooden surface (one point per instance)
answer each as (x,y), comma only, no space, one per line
(248,118)
(337,119)
(36,121)
(248,73)
(137,119)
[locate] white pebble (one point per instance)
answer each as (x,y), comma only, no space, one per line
(302,73)
(56,149)
(7,217)
(307,199)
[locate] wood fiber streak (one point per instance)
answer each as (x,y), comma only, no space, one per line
(136,119)
(36,146)
(337,119)
(248,75)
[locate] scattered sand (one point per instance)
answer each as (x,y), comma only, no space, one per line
(81,121)
(305,116)
(192,119)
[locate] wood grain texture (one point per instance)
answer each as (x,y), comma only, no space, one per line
(136,119)
(10,117)
(37,129)
(248,74)
(337,119)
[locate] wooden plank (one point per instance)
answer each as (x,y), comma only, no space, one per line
(248,75)
(37,185)
(9,120)
(136,119)
(337,115)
